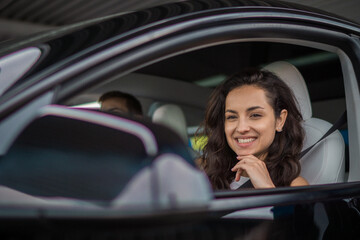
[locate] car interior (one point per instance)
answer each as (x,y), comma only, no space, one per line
(173,94)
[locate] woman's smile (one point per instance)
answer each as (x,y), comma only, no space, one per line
(245,140)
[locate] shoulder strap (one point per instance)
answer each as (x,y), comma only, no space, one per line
(341,121)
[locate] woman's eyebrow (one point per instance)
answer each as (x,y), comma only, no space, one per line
(253,108)
(230,111)
(248,110)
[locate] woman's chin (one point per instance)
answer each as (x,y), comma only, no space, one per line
(244,153)
(258,155)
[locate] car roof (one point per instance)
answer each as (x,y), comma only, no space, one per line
(174,10)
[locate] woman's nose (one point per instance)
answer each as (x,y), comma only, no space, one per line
(242,126)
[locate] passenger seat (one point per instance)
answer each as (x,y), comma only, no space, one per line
(173,117)
(325,162)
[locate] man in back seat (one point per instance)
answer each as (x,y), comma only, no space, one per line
(119,102)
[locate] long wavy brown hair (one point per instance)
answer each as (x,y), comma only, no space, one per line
(282,158)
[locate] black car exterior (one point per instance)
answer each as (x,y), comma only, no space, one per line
(77,57)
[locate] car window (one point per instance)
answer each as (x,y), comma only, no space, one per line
(188,79)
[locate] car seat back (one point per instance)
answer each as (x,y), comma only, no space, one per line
(325,162)
(172,116)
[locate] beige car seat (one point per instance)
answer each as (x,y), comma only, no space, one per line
(325,162)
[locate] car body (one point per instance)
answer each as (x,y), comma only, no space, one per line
(174,53)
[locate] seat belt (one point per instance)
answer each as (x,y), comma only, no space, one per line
(340,122)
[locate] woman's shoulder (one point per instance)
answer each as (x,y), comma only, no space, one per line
(299,181)
(199,162)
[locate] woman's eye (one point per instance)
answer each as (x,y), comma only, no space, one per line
(255,115)
(230,117)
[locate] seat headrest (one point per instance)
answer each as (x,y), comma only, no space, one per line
(173,117)
(293,78)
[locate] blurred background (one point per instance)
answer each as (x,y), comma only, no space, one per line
(23,17)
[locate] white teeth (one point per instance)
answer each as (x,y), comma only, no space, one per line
(246,140)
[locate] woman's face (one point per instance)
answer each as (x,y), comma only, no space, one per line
(250,122)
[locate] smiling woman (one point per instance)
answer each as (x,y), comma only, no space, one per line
(263,134)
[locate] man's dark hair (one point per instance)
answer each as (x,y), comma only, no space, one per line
(132,104)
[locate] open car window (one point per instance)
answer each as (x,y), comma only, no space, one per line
(187,81)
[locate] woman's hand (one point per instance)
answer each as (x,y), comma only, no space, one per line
(255,169)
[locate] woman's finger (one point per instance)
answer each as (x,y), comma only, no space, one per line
(238,175)
(240,169)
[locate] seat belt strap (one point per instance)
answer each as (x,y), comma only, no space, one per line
(339,123)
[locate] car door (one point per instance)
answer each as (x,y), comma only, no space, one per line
(193,32)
